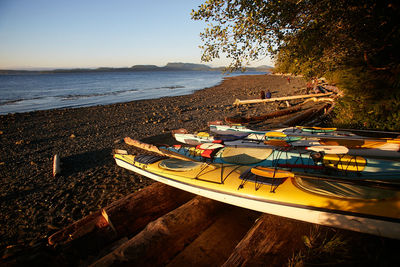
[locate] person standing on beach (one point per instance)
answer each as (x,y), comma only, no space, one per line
(309,87)
(288,80)
(268,95)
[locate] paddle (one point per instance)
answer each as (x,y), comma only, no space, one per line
(205,146)
(316,128)
(349,138)
(329,149)
(368,131)
(273,134)
(278,134)
(203,134)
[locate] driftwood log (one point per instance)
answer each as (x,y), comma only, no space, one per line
(305,116)
(155,149)
(270,242)
(271,115)
(321,99)
(254,101)
(56,165)
(127,216)
(216,243)
(166,236)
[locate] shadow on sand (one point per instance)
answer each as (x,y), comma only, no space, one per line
(85,161)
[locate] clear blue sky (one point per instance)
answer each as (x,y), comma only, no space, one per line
(95,33)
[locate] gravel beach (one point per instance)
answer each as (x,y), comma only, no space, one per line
(34,204)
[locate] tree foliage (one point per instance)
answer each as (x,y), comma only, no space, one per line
(244,30)
(353,42)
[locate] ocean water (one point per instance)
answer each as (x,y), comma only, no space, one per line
(29,92)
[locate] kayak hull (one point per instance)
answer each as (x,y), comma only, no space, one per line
(377,149)
(356,220)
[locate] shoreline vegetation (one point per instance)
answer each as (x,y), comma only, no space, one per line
(35,204)
(318,39)
(169,67)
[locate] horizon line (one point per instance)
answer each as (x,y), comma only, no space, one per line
(100,67)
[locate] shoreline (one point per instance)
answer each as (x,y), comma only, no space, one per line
(34,204)
(82,95)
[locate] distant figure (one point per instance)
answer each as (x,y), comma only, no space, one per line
(309,87)
(288,79)
(262,95)
(318,89)
(268,95)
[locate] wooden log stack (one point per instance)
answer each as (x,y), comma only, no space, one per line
(125,218)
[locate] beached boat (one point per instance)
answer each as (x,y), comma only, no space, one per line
(240,139)
(316,133)
(332,203)
(311,136)
(298,130)
(381,148)
(299,161)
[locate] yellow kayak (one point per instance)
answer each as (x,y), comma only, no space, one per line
(339,204)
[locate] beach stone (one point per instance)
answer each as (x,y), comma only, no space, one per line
(187,118)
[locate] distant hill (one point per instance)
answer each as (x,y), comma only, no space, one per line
(188,66)
(176,66)
(143,67)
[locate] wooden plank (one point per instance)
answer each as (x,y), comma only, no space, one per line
(216,244)
(254,101)
(163,238)
(270,242)
(128,215)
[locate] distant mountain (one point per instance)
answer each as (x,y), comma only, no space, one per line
(143,67)
(175,66)
(172,66)
(188,66)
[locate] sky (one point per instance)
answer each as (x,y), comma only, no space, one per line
(46,34)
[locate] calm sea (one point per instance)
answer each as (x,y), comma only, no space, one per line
(29,92)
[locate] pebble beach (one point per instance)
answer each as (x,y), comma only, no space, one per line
(34,204)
